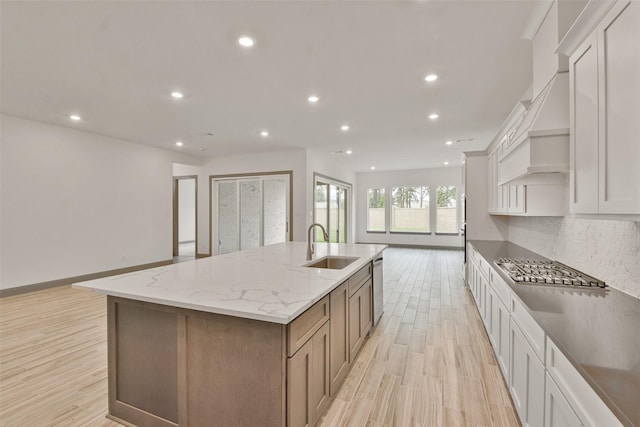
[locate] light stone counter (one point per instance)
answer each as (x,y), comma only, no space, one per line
(266,283)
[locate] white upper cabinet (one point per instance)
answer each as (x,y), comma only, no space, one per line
(583,173)
(605,114)
(619,109)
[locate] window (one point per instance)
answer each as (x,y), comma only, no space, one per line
(375,213)
(410,209)
(447,210)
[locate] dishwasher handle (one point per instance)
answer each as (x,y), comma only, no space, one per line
(378,260)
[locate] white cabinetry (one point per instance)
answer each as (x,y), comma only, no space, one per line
(526,378)
(500,295)
(557,411)
(605,126)
(588,407)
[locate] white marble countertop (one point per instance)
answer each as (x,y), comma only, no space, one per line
(266,283)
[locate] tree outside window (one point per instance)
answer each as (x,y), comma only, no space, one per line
(410,209)
(376,211)
(447,210)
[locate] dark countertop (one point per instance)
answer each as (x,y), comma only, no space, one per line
(597,330)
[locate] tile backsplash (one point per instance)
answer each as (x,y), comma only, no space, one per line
(606,249)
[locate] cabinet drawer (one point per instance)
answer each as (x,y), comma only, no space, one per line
(484,267)
(501,288)
(359,278)
(530,328)
(591,410)
(304,326)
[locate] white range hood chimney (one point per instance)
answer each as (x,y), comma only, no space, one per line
(537,150)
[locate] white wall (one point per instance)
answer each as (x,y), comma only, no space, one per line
(480,225)
(606,249)
(416,177)
(76,203)
(294,160)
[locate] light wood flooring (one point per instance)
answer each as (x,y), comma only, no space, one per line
(428,363)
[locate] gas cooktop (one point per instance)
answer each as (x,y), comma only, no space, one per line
(546,272)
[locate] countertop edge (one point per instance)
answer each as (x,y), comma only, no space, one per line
(272,318)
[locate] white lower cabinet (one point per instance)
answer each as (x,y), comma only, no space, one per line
(588,407)
(526,379)
(500,332)
(546,388)
(557,411)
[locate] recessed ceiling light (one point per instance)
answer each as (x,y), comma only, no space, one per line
(349,151)
(264,133)
(246,41)
(433,116)
(177,95)
(449,142)
(345,128)
(313,99)
(446,163)
(75,117)
(431,77)
(179,143)
(373,167)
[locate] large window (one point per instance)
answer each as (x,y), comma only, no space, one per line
(375,213)
(447,210)
(410,209)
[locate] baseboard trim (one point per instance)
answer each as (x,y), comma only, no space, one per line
(82,278)
(203,255)
(399,245)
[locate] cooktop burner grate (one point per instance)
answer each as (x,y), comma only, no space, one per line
(546,272)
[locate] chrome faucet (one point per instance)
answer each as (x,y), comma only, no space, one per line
(310,247)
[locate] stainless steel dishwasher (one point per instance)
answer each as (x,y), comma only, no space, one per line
(377,290)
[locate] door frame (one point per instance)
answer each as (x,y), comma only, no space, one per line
(347,200)
(176,243)
(213,178)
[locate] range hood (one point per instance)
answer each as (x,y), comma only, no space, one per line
(536,151)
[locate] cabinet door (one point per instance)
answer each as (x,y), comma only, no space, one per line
(583,169)
(492,181)
(526,379)
(499,334)
(366,311)
(516,199)
(619,104)
(356,338)
(339,308)
(557,411)
(319,396)
(308,380)
(299,369)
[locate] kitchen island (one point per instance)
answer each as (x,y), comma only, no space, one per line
(247,338)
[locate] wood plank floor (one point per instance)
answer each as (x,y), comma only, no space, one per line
(428,363)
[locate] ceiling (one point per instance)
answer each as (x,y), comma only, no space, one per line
(116,64)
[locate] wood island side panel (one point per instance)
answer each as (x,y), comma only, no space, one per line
(177,367)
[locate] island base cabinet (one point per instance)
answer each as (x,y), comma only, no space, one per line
(526,379)
(339,308)
(170,366)
(308,381)
(360,318)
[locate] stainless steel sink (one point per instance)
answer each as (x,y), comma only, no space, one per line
(331,262)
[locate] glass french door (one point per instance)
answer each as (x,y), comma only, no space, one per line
(249,212)
(331,210)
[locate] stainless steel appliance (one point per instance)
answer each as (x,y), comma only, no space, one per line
(547,272)
(377,290)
